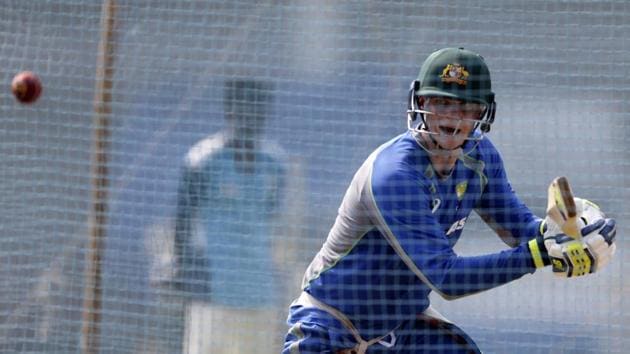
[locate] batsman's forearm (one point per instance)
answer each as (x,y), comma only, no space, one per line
(469,275)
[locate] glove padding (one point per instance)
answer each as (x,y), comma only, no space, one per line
(570,257)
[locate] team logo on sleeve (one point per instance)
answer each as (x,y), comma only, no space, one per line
(455,73)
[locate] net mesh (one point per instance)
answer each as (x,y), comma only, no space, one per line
(339,74)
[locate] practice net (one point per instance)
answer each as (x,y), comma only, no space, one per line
(100,247)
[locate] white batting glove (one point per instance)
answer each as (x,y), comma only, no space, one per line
(570,257)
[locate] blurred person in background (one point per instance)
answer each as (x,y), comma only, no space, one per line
(229,200)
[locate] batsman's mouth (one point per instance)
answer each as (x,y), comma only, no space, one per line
(449,130)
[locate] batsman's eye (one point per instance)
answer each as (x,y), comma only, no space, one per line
(445,105)
(473,109)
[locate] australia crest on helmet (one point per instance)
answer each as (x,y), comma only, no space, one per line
(455,73)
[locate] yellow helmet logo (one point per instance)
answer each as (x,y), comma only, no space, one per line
(455,73)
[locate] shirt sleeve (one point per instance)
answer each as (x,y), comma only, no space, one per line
(502,209)
(402,203)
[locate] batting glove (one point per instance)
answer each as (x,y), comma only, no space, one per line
(570,257)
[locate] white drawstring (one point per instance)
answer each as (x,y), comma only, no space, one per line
(307,299)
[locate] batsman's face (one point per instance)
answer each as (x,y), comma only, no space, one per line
(451,120)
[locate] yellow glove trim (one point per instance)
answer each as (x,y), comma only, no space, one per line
(580,260)
(535,251)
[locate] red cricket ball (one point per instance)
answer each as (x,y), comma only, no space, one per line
(26,87)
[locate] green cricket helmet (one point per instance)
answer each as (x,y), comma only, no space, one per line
(455,73)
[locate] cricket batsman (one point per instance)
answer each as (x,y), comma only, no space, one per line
(367,289)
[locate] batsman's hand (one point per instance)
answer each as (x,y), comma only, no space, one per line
(573,257)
